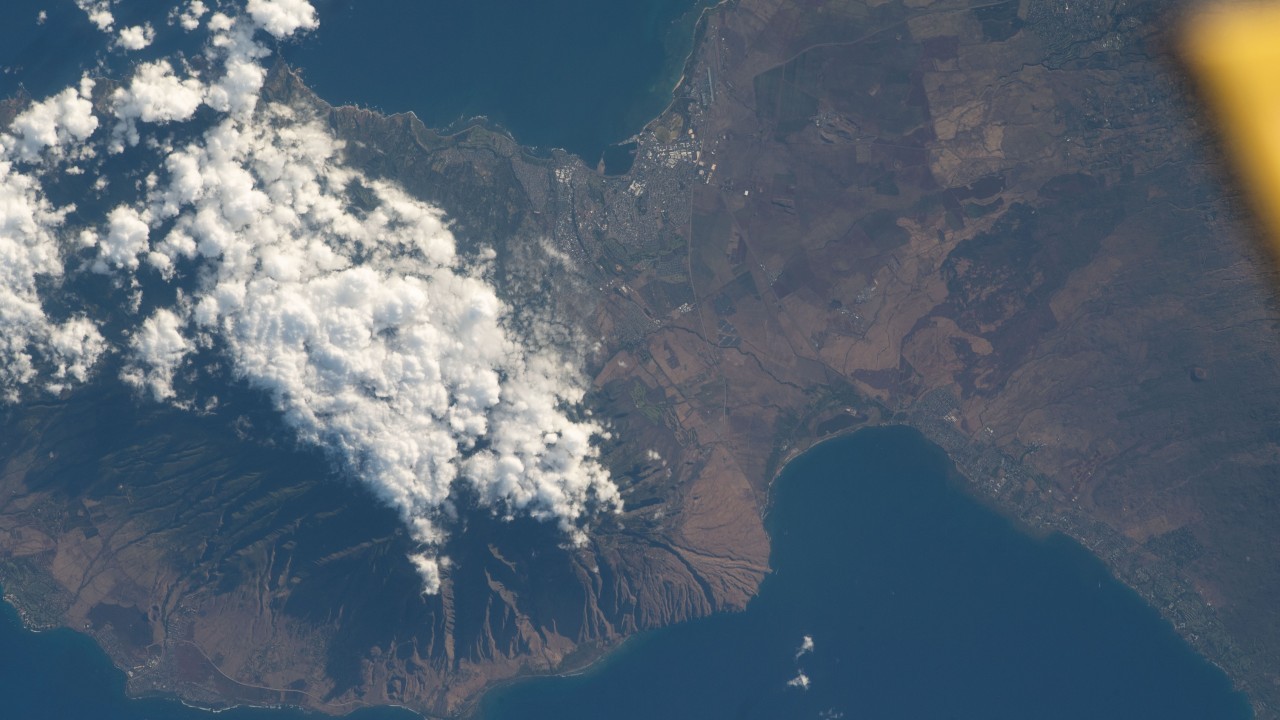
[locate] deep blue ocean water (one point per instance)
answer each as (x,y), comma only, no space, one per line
(920,602)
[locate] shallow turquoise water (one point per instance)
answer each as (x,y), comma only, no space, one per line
(920,602)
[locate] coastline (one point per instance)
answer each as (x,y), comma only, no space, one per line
(1041,521)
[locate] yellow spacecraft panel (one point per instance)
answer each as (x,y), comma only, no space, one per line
(1234,49)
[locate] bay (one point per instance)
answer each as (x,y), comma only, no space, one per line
(920,603)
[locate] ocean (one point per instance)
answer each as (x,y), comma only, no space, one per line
(918,601)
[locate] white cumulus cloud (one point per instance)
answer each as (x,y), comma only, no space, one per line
(156,351)
(371,335)
(99,13)
(124,241)
(135,37)
(189,19)
(155,94)
(62,119)
(398,361)
(282,18)
(806,647)
(29,255)
(799,681)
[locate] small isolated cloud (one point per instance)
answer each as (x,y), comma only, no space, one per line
(220,22)
(156,351)
(189,19)
(799,681)
(806,647)
(135,37)
(51,124)
(41,17)
(73,347)
(153,95)
(124,241)
(282,18)
(99,12)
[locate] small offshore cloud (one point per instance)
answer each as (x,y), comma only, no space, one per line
(155,95)
(156,350)
(370,334)
(45,130)
(135,37)
(188,17)
(282,18)
(99,13)
(799,681)
(806,647)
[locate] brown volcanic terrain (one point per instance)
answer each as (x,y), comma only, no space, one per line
(1000,224)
